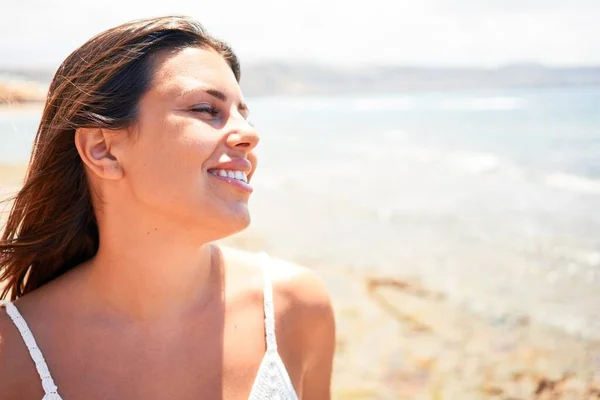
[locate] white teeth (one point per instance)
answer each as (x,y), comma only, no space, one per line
(237,175)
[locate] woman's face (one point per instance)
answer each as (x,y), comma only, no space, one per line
(192,157)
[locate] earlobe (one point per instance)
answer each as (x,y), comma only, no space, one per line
(94,146)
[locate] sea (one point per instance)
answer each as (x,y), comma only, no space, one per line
(490,196)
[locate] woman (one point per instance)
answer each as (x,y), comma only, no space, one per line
(142,160)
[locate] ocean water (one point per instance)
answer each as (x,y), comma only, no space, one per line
(491,196)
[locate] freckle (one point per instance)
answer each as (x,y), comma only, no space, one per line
(147,233)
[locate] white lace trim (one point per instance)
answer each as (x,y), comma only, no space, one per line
(269,306)
(272,380)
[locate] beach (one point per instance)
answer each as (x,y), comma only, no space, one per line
(458,233)
(397,339)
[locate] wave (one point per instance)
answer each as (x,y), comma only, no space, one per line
(406,103)
(355,104)
(573,183)
(482,104)
(476,162)
(385,104)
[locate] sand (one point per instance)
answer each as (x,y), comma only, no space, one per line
(399,340)
(22,92)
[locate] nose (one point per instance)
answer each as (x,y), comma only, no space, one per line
(242,135)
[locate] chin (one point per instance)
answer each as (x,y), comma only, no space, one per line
(239,224)
(231,223)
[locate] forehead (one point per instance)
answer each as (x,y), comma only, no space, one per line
(183,70)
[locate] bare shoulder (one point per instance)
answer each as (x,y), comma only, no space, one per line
(302,287)
(295,287)
(15,364)
(7,345)
(303,307)
(306,301)
(313,336)
(304,317)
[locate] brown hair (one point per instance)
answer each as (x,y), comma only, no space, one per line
(51,227)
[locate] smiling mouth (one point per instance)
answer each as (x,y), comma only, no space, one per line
(229,173)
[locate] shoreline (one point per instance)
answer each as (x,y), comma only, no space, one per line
(9,109)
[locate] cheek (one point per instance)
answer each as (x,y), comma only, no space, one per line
(168,170)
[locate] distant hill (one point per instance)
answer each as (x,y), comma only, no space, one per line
(298,79)
(313,79)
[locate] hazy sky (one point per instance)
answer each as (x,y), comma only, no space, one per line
(343,32)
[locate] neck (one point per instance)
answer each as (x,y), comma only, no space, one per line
(146,270)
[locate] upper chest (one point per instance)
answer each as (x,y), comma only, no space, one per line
(214,357)
(186,363)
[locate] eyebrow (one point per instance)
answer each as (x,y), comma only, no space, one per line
(219,95)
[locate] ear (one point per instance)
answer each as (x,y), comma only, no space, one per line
(97,149)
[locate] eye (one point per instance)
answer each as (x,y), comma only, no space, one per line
(206,109)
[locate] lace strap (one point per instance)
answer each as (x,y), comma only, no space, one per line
(50,388)
(269,305)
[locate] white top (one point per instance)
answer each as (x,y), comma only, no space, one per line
(272,380)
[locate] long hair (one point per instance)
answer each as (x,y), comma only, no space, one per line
(51,227)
